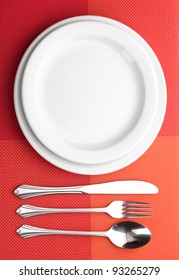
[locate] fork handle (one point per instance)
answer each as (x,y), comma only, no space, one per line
(27,191)
(26,211)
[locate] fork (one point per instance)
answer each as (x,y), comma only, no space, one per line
(116,209)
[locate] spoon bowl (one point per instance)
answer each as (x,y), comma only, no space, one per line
(129,235)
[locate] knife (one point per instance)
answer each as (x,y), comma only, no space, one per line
(116,187)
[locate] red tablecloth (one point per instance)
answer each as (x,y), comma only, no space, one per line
(21,21)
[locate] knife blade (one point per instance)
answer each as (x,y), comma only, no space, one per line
(121,187)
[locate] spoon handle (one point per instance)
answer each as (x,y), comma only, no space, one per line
(26,211)
(27,231)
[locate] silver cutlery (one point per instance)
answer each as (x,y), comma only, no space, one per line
(125,234)
(116,187)
(116,209)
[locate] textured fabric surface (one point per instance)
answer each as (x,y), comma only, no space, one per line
(21,22)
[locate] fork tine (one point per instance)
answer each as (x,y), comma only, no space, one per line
(136,216)
(136,211)
(137,207)
(136,203)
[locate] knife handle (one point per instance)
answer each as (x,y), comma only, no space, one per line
(27,191)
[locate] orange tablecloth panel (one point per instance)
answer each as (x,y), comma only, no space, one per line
(159,166)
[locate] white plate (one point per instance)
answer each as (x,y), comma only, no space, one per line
(109,166)
(90,92)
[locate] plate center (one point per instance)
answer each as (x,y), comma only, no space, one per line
(90,93)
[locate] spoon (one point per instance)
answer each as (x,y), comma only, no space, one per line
(124,235)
